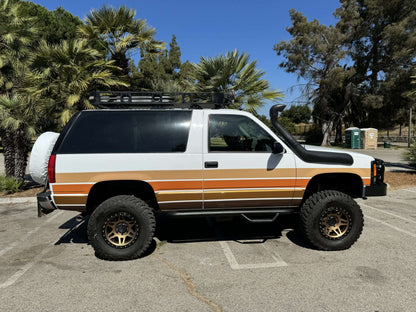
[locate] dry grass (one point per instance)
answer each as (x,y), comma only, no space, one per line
(399,180)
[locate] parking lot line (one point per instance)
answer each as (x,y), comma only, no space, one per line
(389,213)
(24,237)
(391,226)
(12,279)
(236,266)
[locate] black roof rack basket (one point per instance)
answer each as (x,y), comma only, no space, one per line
(142,99)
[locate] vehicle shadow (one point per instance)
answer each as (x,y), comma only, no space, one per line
(203,229)
(176,230)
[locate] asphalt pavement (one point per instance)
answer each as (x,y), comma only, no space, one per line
(211,264)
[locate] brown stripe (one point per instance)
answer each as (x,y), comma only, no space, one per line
(70,200)
(248,194)
(178,196)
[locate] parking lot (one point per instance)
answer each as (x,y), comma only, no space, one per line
(211,264)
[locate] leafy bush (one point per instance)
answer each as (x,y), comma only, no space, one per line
(10,185)
(287,124)
(410,155)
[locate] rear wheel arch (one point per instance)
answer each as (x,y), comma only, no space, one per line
(104,190)
(347,183)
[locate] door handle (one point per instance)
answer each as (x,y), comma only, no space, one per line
(211,164)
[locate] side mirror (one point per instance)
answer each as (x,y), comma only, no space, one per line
(277,148)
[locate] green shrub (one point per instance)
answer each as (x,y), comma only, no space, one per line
(10,185)
(287,124)
(410,155)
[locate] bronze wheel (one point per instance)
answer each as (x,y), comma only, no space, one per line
(331,220)
(120,230)
(335,223)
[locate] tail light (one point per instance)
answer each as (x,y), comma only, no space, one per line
(51,168)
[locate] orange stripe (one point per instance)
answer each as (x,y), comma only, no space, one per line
(72,188)
(176,185)
(367,181)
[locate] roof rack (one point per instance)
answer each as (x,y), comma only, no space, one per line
(140,99)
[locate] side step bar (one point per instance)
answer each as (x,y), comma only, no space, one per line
(251,215)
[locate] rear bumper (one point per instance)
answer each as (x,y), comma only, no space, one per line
(45,203)
(379,189)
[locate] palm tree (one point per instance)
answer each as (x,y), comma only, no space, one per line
(16,34)
(17,125)
(120,34)
(16,39)
(62,75)
(234,73)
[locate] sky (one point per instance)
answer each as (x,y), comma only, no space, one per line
(211,28)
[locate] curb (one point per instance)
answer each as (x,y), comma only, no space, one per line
(17,200)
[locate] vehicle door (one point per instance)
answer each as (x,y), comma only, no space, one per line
(240,170)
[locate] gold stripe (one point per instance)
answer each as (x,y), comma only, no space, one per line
(311,172)
(129,175)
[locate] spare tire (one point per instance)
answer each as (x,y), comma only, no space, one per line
(39,158)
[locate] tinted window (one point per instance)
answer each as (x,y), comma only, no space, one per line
(236,133)
(128,132)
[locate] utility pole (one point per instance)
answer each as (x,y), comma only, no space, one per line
(409,138)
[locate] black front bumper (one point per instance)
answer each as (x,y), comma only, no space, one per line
(45,203)
(379,189)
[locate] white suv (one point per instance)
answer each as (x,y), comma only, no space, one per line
(125,164)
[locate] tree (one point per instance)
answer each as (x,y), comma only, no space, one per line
(120,34)
(16,39)
(18,128)
(158,71)
(298,114)
(16,33)
(315,53)
(381,40)
(53,26)
(62,75)
(234,73)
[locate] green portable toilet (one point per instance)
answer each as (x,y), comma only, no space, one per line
(353,138)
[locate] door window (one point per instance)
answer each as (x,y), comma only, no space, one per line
(236,133)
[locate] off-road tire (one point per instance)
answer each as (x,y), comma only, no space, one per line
(315,215)
(122,207)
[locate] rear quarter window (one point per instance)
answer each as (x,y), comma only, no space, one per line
(128,132)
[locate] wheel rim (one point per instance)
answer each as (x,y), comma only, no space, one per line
(335,223)
(120,230)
